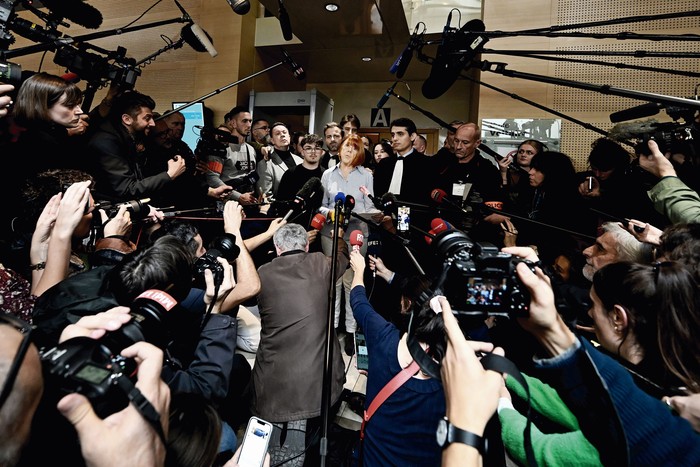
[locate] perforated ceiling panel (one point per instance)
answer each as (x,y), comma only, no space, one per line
(576,139)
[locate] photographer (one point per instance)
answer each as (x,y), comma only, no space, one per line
(619,419)
(102,441)
(233,163)
(671,197)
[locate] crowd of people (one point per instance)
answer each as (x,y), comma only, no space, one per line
(123,321)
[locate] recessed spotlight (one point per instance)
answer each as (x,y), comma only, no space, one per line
(332,7)
(366,59)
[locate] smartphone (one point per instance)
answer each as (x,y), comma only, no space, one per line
(404,218)
(255,441)
(362,360)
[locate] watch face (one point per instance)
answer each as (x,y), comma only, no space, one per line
(441,432)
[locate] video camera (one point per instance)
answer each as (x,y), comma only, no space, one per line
(213,142)
(670,136)
(92,366)
(477,279)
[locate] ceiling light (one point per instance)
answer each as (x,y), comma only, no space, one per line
(332,7)
(366,59)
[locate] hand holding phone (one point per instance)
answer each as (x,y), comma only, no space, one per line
(255,442)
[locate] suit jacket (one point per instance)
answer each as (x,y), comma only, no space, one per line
(289,364)
(417,182)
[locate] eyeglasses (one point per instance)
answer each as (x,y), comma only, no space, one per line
(261,128)
(26,329)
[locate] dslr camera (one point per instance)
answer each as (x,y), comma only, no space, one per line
(478,279)
(92,366)
(213,142)
(224,246)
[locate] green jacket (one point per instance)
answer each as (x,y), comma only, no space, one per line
(675,200)
(567,448)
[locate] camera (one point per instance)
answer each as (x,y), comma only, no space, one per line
(224,246)
(478,279)
(11,73)
(670,136)
(92,366)
(138,208)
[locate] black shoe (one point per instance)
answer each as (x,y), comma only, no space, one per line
(350,344)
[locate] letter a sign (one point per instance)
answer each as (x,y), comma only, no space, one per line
(381,117)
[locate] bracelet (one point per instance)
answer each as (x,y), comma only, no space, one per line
(38,266)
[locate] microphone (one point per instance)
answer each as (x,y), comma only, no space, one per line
(451,59)
(374,247)
(303,196)
(356,239)
(640,111)
(77,11)
(440,225)
(240,7)
(438,195)
(284,22)
(318,221)
(385,97)
(389,203)
(348,206)
(297,71)
(198,39)
(365,191)
(33,31)
(401,64)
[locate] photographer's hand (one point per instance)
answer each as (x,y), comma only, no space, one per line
(38,251)
(71,211)
(95,326)
(543,322)
(471,392)
(227,285)
(656,163)
(120,224)
(220,192)
(5,101)
(233,217)
(649,233)
(124,438)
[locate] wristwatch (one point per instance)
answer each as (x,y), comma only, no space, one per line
(447,434)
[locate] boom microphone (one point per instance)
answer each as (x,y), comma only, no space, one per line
(240,7)
(33,31)
(401,64)
(385,97)
(284,22)
(356,240)
(77,11)
(451,59)
(640,111)
(198,39)
(297,71)
(303,196)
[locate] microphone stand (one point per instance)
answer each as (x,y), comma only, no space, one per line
(500,68)
(330,325)
(220,90)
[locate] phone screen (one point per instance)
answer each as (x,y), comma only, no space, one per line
(404,219)
(255,441)
(362,360)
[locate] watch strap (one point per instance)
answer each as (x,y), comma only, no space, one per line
(458,435)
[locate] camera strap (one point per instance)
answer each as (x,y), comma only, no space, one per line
(145,408)
(489,361)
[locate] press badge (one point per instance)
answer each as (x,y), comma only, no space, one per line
(461,190)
